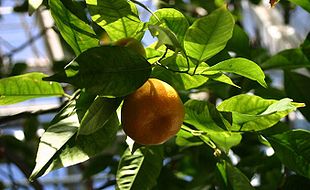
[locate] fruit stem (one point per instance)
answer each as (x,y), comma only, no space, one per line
(165,67)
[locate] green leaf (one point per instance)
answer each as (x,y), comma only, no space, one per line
(253,113)
(60,147)
(62,128)
(98,114)
(219,76)
(209,35)
(180,81)
(83,147)
(27,86)
(140,169)
(77,8)
(119,18)
(78,34)
(111,71)
(172,19)
(165,36)
(33,5)
(243,67)
(239,42)
(297,87)
(303,3)
(287,59)
(204,117)
(293,149)
(233,178)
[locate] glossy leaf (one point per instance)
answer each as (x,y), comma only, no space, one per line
(119,18)
(172,19)
(219,76)
(209,35)
(83,147)
(165,36)
(78,34)
(140,169)
(243,67)
(27,86)
(293,149)
(287,59)
(33,5)
(233,178)
(204,117)
(111,71)
(61,130)
(59,146)
(252,113)
(98,114)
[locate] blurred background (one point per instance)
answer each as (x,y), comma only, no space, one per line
(32,43)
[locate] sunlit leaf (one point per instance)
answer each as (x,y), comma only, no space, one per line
(243,67)
(119,18)
(219,76)
(253,113)
(140,169)
(165,36)
(204,117)
(59,146)
(172,19)
(27,86)
(61,130)
(78,34)
(209,35)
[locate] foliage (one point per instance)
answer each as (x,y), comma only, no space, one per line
(191,54)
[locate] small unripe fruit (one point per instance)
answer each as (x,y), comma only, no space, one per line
(152,114)
(133,44)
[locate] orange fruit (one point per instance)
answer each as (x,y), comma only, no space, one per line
(153,113)
(133,44)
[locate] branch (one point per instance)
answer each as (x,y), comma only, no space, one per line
(25,44)
(6,119)
(15,159)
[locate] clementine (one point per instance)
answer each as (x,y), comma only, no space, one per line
(153,113)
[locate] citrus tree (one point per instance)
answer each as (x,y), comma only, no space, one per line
(196,139)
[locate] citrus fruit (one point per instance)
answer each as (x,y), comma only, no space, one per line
(153,113)
(133,44)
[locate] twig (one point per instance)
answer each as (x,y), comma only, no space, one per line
(107,184)
(25,44)
(165,67)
